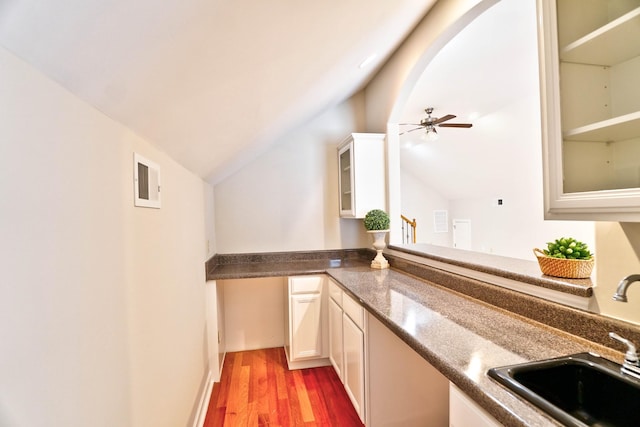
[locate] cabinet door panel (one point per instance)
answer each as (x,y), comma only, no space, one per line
(353,340)
(335,337)
(306,284)
(353,310)
(306,326)
(335,292)
(465,412)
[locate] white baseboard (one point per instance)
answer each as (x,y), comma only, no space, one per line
(204,402)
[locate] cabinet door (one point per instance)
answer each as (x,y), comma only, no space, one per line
(361,159)
(465,412)
(353,339)
(345,162)
(335,337)
(306,326)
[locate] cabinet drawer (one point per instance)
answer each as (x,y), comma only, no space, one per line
(305,284)
(353,310)
(335,292)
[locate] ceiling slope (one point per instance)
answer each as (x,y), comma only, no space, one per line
(210,82)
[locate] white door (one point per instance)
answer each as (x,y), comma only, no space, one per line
(462,234)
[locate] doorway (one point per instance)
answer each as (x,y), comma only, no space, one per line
(462,234)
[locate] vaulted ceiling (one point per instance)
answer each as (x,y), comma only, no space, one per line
(211,82)
(487,75)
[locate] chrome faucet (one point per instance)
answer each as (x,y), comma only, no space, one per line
(621,292)
(631,364)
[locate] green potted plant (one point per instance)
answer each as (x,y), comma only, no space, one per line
(566,257)
(376,222)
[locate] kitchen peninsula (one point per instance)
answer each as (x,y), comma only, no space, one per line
(459,325)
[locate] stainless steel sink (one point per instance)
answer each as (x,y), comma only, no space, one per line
(582,389)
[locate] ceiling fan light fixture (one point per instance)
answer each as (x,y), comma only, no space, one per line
(430,134)
(429,124)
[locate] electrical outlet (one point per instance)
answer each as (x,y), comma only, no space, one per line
(497,202)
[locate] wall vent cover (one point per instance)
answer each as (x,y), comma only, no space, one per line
(440,221)
(146,177)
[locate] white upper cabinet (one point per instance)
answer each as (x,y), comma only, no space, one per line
(590,93)
(361,174)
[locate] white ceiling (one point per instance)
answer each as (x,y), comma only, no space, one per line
(211,82)
(487,75)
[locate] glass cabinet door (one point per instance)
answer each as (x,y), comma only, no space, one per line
(346,195)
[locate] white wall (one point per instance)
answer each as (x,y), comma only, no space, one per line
(101,303)
(418,202)
(287,199)
(517,226)
(254,313)
(617,256)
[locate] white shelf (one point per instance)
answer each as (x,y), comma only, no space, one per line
(611,44)
(615,129)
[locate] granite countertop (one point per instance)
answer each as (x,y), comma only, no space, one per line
(274,264)
(281,268)
(521,270)
(461,337)
(462,326)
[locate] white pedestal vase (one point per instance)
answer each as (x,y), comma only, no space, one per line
(379,244)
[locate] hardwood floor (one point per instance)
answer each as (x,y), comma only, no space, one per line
(257,389)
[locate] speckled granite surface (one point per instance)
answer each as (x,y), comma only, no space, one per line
(510,268)
(461,326)
(273,264)
(461,337)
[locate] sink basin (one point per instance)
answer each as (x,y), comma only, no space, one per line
(582,389)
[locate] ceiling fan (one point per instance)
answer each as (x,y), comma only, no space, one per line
(430,123)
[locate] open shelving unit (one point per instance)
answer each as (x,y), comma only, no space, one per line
(590,80)
(616,129)
(607,46)
(599,59)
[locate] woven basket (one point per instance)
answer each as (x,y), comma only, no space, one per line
(568,268)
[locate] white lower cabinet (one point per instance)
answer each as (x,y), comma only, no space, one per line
(404,389)
(465,412)
(389,384)
(347,345)
(306,334)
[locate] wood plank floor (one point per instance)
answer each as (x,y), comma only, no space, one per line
(257,389)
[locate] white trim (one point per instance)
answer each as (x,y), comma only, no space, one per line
(203,406)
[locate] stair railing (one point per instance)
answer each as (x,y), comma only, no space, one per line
(408,230)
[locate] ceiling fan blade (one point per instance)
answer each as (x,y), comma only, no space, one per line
(411,130)
(455,125)
(444,119)
(409,124)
